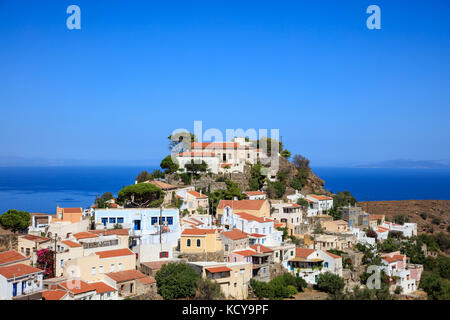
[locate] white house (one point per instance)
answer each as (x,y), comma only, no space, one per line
(309,264)
(408,229)
(21,282)
(255,195)
(396,267)
(362,238)
(323,203)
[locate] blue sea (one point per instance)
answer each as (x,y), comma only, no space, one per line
(40,189)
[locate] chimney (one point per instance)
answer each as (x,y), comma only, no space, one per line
(264,218)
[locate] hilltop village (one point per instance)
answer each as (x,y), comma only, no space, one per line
(219,228)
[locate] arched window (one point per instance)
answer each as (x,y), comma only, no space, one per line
(198,243)
(188,242)
(325,264)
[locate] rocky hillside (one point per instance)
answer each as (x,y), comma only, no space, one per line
(430,215)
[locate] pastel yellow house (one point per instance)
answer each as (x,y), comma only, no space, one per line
(93,267)
(233,277)
(200,241)
(336,226)
(259,208)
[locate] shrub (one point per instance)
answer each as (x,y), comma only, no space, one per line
(176,280)
(436,221)
(330,283)
(424,216)
(208,290)
(398,290)
(401,219)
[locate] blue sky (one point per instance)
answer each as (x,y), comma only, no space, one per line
(114,90)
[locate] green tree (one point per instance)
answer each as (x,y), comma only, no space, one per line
(342,199)
(101,202)
(233,191)
(286,153)
(186,178)
(256,180)
(330,283)
(208,290)
(176,280)
(301,162)
(196,168)
(15,220)
(266,144)
(169,165)
(143,176)
(401,218)
(436,287)
(275,190)
(142,195)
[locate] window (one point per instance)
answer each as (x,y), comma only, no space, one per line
(292,252)
(100,269)
(198,243)
(162,220)
(276,254)
(112,220)
(170,220)
(120,266)
(120,220)
(104,221)
(242,271)
(93,270)
(62,263)
(111,269)
(164,254)
(188,242)
(325,264)
(154,220)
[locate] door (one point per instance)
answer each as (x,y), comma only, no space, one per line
(24,285)
(14,289)
(137,224)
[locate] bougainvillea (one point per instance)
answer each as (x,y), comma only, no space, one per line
(45,261)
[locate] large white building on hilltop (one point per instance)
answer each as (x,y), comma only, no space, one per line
(222,157)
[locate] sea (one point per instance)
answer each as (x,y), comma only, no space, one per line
(41,189)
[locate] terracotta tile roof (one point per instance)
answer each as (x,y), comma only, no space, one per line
(71,244)
(215,145)
(36,239)
(72,210)
(251,217)
(218,269)
(147,280)
(109,232)
(155,265)
(102,287)
(17,270)
(255,193)
(197,232)
(114,253)
(223,165)
(245,253)
(376,217)
(242,204)
(257,235)
(303,252)
(320,197)
(53,294)
(126,275)
(84,235)
(197,194)
(235,234)
(10,256)
(261,248)
(335,256)
(162,185)
(77,286)
(197,154)
(278,225)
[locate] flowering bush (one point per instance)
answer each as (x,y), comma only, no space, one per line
(45,261)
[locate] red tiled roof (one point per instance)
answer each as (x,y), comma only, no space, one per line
(84,235)
(235,234)
(223,165)
(126,275)
(147,280)
(71,244)
(17,270)
(245,253)
(109,232)
(10,256)
(114,253)
(197,194)
(197,232)
(303,252)
(72,210)
(242,204)
(102,287)
(77,286)
(278,225)
(155,265)
(161,184)
(335,256)
(320,197)
(376,217)
(36,239)
(53,294)
(215,145)
(261,248)
(257,235)
(197,154)
(218,269)
(251,217)
(254,193)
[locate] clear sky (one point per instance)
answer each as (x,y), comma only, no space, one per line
(114,90)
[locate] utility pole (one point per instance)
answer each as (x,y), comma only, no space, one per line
(54,261)
(160,228)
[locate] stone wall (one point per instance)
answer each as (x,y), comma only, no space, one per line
(210,256)
(8,242)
